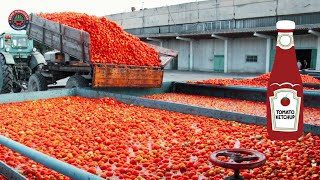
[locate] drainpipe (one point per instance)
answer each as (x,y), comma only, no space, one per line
(52,163)
(268,48)
(225,50)
(190,50)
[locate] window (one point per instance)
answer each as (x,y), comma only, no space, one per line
(250,58)
(1,43)
(19,42)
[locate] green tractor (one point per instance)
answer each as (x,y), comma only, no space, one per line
(19,62)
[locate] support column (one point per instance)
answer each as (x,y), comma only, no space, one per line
(318,55)
(316,33)
(268,48)
(225,51)
(190,50)
(191,56)
(225,56)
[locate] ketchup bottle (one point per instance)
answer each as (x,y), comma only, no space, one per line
(285,89)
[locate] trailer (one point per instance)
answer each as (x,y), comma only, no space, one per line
(71,58)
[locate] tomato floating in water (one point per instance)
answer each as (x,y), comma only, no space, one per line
(311,115)
(109,138)
(260,81)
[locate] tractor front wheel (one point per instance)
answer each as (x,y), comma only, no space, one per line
(6,76)
(37,82)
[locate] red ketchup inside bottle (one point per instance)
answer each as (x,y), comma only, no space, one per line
(285,89)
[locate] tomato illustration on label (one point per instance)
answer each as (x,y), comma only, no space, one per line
(285,101)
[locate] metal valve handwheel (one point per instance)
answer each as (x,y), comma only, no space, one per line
(236,158)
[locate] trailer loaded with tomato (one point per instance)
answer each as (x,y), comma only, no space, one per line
(95,52)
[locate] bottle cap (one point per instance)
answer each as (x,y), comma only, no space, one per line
(285,25)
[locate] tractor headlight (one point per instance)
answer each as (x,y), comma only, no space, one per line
(7,49)
(34,49)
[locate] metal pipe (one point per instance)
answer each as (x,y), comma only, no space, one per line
(156,40)
(52,163)
(316,33)
(219,37)
(10,173)
(191,56)
(262,35)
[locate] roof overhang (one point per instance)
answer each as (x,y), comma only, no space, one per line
(235,33)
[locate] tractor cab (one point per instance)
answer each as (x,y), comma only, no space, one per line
(19,60)
(17,44)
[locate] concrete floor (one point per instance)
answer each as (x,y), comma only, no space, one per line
(174,75)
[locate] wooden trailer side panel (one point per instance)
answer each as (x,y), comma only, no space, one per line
(126,76)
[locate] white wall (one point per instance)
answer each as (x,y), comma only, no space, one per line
(211,11)
(241,47)
(183,48)
(204,51)
(305,41)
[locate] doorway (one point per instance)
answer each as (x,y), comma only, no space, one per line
(304,54)
(308,54)
(218,63)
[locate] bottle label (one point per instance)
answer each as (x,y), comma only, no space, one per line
(285,110)
(285,40)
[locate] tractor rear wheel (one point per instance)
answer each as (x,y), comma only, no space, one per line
(6,76)
(37,82)
(77,81)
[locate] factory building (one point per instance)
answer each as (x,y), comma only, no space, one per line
(227,35)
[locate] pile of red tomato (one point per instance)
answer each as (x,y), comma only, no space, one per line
(311,115)
(109,43)
(112,139)
(260,81)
